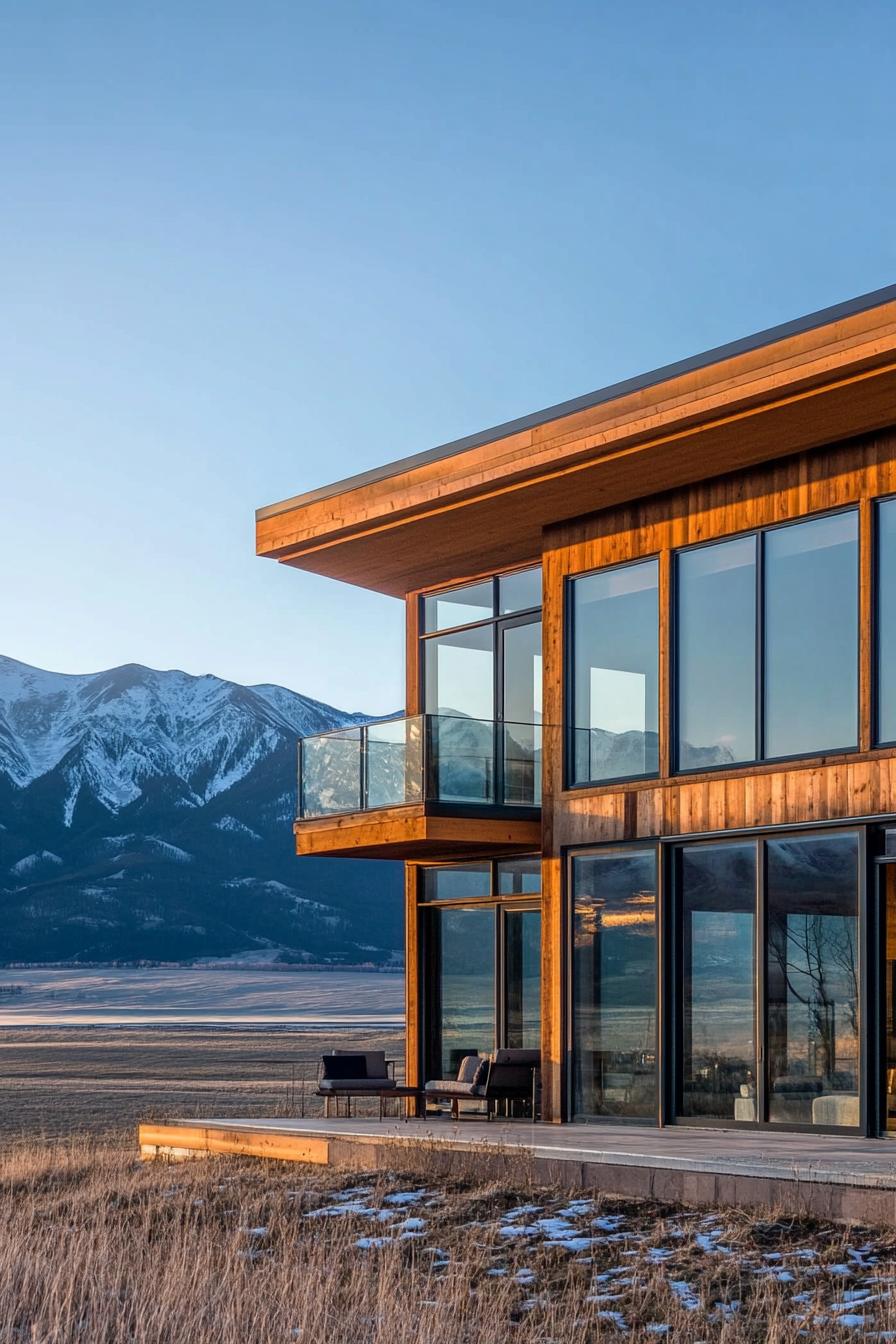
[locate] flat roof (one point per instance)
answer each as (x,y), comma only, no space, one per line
(769,336)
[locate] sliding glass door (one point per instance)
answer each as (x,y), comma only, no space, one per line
(766,982)
(718,981)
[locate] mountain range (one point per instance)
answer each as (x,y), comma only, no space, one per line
(146,815)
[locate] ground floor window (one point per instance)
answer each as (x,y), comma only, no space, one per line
(760,997)
(614,983)
(481,960)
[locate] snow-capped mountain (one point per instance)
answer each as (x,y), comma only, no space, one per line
(146,814)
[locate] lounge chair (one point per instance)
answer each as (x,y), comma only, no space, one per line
(354,1073)
(504,1076)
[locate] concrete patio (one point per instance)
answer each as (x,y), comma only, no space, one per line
(822,1175)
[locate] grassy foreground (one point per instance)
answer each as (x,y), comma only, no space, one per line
(96,1246)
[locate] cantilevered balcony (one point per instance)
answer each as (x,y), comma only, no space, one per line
(426,786)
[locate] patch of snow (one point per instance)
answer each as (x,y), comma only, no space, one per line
(36,860)
(231,824)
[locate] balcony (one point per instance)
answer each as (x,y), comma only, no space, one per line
(426,786)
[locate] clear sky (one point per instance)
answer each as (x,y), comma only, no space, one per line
(246,249)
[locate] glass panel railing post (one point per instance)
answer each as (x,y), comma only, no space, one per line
(300,783)
(363,765)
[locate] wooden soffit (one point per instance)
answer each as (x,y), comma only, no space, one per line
(438,517)
(410,833)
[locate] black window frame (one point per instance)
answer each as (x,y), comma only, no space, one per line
(498,903)
(867,996)
(675,678)
(569,783)
(876,622)
(868,830)
(660,978)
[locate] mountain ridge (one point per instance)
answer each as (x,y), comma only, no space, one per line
(131,801)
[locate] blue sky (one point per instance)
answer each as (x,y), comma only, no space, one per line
(248,249)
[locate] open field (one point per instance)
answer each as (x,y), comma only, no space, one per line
(96,1246)
(68,1080)
(115,995)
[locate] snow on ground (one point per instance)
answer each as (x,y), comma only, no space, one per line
(663,1272)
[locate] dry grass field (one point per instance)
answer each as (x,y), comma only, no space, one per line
(93,1080)
(95,1246)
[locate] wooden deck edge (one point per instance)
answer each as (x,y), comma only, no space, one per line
(179,1142)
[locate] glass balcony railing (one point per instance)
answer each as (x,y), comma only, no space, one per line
(425,758)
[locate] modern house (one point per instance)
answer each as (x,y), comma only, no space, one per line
(645,787)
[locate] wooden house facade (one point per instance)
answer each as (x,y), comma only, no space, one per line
(645,784)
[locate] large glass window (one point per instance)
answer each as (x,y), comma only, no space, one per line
(459,606)
(886,621)
(804,687)
(519,591)
(482,958)
(717,654)
(460,673)
(464,983)
(522,979)
(614,983)
(812,979)
(811,636)
(457,881)
(615,673)
(717,979)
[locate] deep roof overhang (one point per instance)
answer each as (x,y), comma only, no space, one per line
(824,377)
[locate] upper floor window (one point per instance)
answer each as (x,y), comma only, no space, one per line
(885,726)
(615,666)
(767,644)
(483,600)
(482,650)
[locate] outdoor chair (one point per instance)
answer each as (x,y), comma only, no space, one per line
(354,1073)
(504,1077)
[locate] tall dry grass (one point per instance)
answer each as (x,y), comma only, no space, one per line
(96,1247)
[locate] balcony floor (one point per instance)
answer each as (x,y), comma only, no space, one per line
(417,832)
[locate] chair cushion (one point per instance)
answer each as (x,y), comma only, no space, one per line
(468,1067)
(452,1088)
(375,1061)
(344,1066)
(356,1084)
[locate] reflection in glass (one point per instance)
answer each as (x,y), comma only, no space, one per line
(887,878)
(521,696)
(462,759)
(519,591)
(811,636)
(519,877)
(614,983)
(812,974)
(457,881)
(615,665)
(886,621)
(716,628)
(460,673)
(718,898)
(522,972)
(459,606)
(394,762)
(464,985)
(331,773)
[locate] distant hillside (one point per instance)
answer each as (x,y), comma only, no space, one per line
(146,815)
